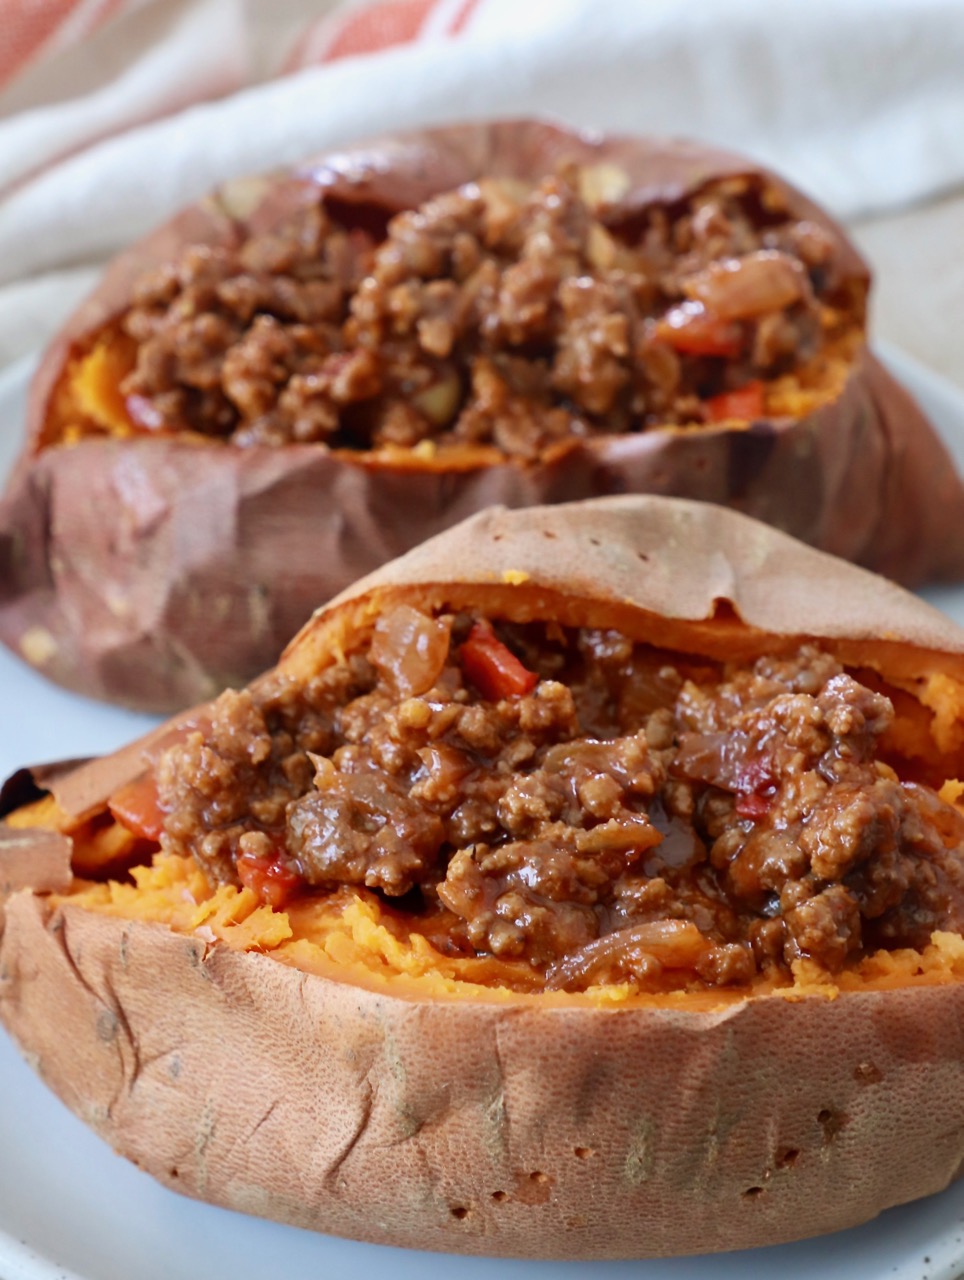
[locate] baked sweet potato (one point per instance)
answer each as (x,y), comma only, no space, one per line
(306,374)
(587,883)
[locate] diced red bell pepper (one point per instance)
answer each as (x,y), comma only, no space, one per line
(745,404)
(136,806)
(692,330)
(752,806)
(270,877)
(492,667)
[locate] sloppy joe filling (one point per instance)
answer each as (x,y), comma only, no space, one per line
(504,314)
(590,808)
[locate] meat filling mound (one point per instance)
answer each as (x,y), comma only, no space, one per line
(500,314)
(598,810)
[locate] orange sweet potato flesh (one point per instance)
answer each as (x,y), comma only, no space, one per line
(155,571)
(547,1125)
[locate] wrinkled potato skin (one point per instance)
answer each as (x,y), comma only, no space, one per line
(155,572)
(512,1125)
(484,1127)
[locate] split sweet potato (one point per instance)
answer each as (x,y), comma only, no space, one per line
(306,374)
(587,883)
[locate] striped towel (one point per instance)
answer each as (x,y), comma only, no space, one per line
(115,112)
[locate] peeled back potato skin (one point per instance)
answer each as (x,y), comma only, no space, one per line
(553,1125)
(155,571)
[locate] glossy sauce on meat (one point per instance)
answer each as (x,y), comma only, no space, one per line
(501,314)
(596,809)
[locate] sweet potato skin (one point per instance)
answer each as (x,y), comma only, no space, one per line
(493,1128)
(155,572)
(212,558)
(510,1125)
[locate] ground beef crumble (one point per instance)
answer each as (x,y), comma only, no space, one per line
(596,808)
(502,313)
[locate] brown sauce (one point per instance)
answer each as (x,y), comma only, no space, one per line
(598,809)
(501,314)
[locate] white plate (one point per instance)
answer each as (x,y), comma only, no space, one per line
(72,1210)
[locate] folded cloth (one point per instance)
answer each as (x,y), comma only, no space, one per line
(115,112)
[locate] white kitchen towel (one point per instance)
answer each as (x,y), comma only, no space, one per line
(113,113)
